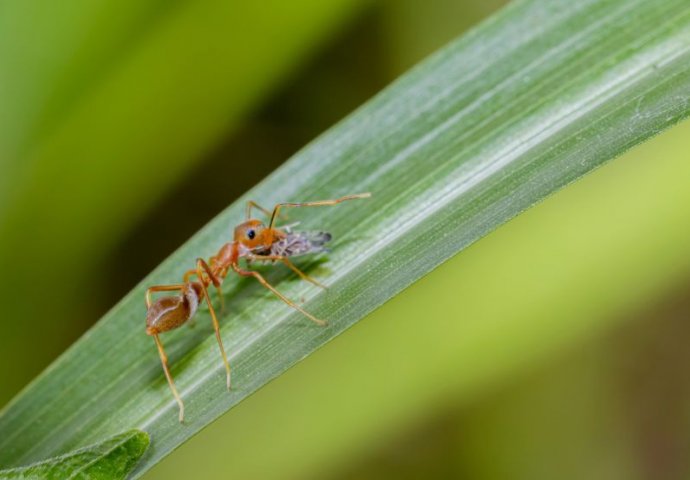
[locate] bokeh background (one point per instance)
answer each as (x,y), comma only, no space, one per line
(126,125)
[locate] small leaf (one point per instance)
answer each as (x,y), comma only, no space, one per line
(111,459)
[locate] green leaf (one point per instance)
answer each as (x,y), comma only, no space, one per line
(111,459)
(536,97)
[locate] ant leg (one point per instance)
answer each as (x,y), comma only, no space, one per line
(212,279)
(161,288)
(262,280)
(319,203)
(189,274)
(164,362)
(201,264)
(219,291)
(252,204)
(291,266)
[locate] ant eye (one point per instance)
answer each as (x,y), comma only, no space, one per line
(251,234)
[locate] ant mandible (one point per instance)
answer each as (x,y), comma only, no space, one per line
(252,241)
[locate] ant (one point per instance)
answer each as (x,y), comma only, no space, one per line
(252,241)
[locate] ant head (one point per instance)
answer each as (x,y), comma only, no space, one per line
(250,233)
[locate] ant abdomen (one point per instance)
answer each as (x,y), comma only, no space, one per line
(168,313)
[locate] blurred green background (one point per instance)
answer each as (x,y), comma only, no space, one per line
(125,126)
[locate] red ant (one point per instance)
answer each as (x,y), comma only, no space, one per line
(252,241)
